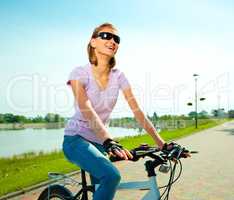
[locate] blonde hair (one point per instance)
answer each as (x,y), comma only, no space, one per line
(91,53)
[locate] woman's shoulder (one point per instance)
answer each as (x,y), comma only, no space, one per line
(116,71)
(122,79)
(81,68)
(80,73)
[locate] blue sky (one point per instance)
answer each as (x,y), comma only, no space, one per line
(162,44)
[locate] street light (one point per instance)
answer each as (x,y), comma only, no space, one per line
(195,100)
(195,78)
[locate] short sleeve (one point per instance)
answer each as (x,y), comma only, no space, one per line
(123,81)
(79,73)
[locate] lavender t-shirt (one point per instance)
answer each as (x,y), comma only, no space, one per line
(102,100)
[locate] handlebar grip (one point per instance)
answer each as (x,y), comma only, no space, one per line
(194,152)
(115,158)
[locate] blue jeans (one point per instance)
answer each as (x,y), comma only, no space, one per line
(90,157)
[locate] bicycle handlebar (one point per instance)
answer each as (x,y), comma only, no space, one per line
(144,150)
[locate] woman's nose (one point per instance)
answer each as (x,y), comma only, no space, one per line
(112,41)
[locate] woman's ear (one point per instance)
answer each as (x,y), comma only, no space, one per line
(93,43)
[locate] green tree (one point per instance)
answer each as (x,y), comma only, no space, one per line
(9,118)
(155,116)
(38,119)
(203,114)
(182,117)
(218,112)
(192,114)
(56,118)
(50,117)
(166,117)
(1,118)
(231,113)
(214,112)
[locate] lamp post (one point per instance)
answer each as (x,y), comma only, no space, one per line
(195,100)
(195,78)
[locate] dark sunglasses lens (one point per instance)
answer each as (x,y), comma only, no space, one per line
(116,39)
(109,36)
(105,36)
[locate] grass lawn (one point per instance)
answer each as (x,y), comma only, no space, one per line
(28,169)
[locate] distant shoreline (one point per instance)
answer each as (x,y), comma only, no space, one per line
(21,126)
(168,124)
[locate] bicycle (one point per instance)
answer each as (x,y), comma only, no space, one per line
(167,160)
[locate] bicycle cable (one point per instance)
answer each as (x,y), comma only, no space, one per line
(166,186)
(167,189)
(172,180)
(178,176)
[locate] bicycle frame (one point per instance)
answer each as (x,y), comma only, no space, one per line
(150,185)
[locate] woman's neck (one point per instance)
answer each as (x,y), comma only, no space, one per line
(102,68)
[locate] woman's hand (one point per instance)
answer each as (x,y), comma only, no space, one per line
(114,149)
(169,147)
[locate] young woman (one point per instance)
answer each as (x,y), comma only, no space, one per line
(96,87)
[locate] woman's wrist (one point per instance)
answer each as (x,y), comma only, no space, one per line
(158,140)
(160,143)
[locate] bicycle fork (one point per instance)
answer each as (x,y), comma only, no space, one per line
(154,191)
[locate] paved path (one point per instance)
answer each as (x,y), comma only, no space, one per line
(208,175)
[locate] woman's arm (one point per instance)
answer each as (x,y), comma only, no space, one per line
(87,110)
(141,118)
(89,113)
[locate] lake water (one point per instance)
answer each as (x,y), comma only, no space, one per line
(13,142)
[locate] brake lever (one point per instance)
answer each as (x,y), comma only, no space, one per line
(170,155)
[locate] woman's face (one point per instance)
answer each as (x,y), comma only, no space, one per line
(104,45)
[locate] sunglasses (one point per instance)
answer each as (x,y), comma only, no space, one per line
(109,36)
